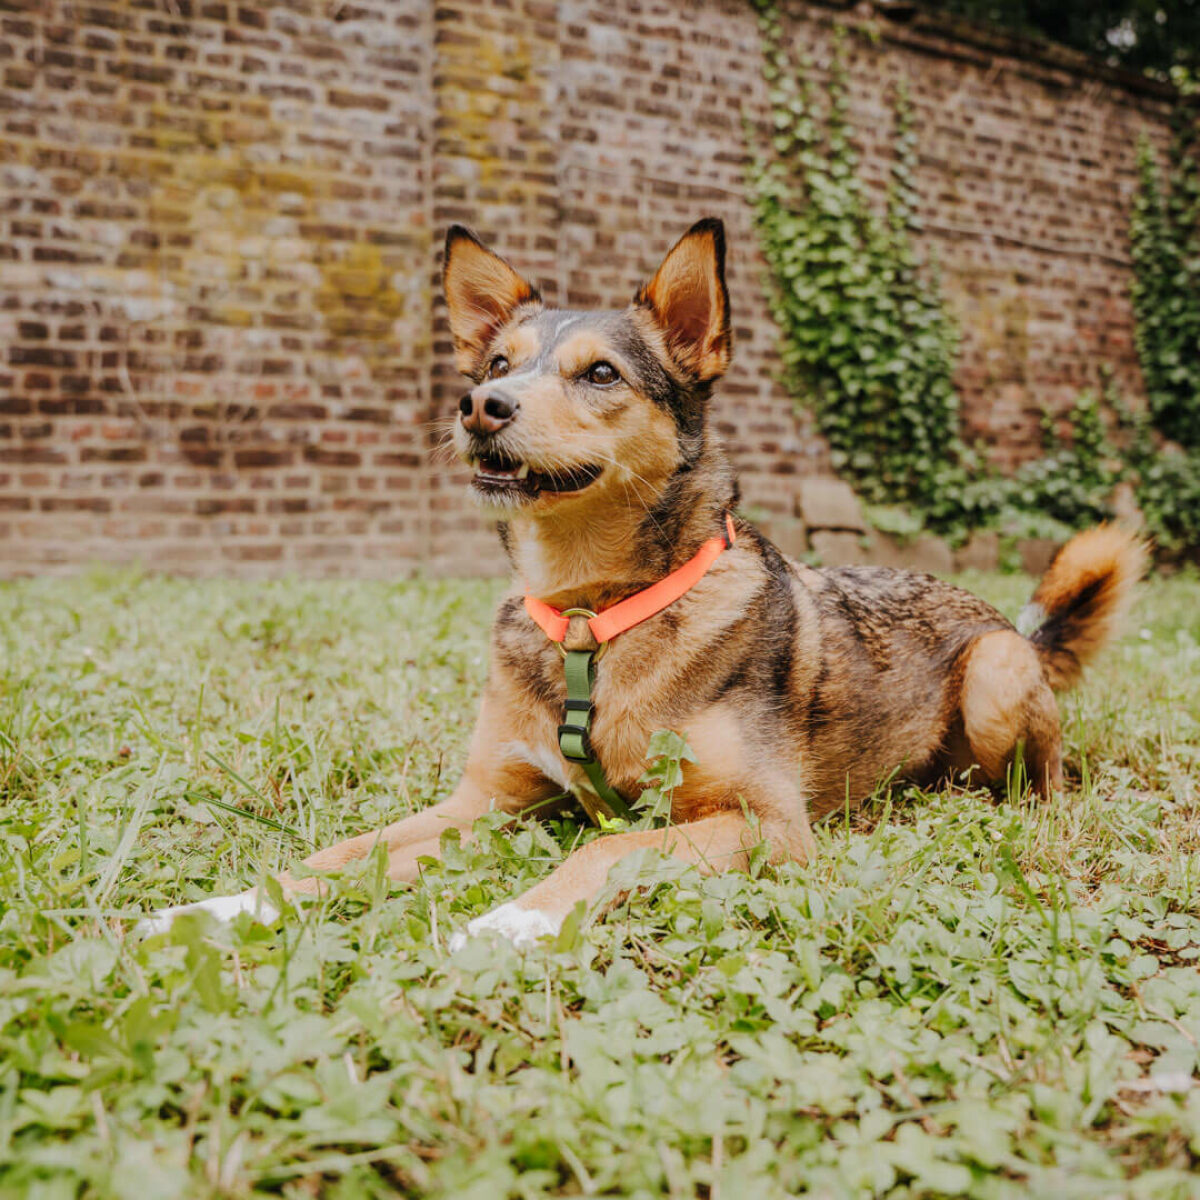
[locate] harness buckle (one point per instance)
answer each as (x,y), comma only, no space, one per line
(585,743)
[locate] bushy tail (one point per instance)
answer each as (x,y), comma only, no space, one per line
(1081,600)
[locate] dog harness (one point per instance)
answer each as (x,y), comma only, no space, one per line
(580,665)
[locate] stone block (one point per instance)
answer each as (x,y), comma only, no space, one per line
(1037,553)
(838,548)
(826,503)
(1125,506)
(788,534)
(980,553)
(925,553)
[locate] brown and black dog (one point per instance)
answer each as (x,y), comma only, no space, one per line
(799,689)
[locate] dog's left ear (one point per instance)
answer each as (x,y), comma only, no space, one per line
(690,302)
(482,292)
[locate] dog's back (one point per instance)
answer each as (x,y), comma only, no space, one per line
(889,681)
(910,666)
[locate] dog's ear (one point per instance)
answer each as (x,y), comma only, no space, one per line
(482,292)
(690,302)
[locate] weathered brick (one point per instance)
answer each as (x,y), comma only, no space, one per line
(829,504)
(924,553)
(240,346)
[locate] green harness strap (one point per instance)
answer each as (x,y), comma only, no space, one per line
(573,739)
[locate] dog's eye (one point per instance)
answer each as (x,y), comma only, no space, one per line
(497,367)
(602,374)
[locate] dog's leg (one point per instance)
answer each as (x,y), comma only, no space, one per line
(1006,702)
(716,843)
(406,842)
(492,781)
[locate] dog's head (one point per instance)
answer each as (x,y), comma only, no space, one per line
(568,406)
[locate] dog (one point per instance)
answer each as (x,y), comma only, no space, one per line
(589,441)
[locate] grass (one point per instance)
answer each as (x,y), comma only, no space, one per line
(960,996)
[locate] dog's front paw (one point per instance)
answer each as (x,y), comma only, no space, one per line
(522,926)
(223,908)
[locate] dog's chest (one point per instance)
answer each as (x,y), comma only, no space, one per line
(635,693)
(671,673)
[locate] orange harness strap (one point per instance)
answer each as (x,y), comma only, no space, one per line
(642,605)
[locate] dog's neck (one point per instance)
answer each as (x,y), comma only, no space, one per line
(599,555)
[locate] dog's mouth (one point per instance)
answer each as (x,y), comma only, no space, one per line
(500,477)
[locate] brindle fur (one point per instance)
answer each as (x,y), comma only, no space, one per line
(800,689)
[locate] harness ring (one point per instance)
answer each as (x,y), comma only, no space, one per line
(598,653)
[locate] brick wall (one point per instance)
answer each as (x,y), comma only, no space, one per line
(216,277)
(221,347)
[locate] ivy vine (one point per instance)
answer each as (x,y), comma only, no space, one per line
(1166,484)
(868,344)
(866,339)
(1072,481)
(1164,237)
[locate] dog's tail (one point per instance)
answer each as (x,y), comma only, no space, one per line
(1081,600)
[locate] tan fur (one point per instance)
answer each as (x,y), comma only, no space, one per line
(639,691)
(1085,596)
(587,541)
(589,535)
(654,336)
(1007,705)
(715,843)
(585,348)
(520,345)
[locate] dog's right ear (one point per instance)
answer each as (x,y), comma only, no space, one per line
(482,292)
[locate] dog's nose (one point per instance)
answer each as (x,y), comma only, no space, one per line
(486,410)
